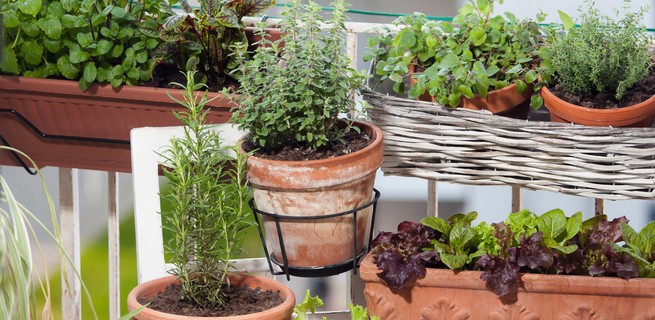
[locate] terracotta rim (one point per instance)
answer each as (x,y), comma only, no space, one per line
(367,160)
(563,111)
(497,101)
(152,287)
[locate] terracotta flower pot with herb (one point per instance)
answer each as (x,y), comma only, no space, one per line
(526,267)
(601,71)
(479,61)
(307,161)
(208,216)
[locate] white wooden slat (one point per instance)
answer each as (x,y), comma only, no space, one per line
(433,198)
(69,199)
(113,231)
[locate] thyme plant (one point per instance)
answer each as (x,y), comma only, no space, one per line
(604,54)
(293,90)
(209,202)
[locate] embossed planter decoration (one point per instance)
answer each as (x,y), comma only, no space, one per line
(314,188)
(445,294)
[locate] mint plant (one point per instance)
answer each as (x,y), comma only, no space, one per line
(524,242)
(203,39)
(476,53)
(89,41)
(209,202)
(293,90)
(604,54)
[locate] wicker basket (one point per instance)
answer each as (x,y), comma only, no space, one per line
(473,147)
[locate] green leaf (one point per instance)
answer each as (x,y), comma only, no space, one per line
(566,20)
(30,27)
(491,70)
(396,77)
(359,313)
(72,21)
(482,4)
(573,225)
(552,223)
(52,27)
(449,61)
(431,40)
(141,56)
(454,99)
(67,68)
(515,69)
(521,86)
(536,101)
(84,39)
(465,91)
(437,223)
(31,52)
(103,47)
(308,304)
(454,261)
(9,63)
(407,38)
(11,19)
(30,7)
(90,71)
(78,55)
(116,52)
(118,12)
(531,76)
(478,36)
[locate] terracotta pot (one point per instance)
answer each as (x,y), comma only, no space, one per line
(639,115)
(445,294)
(313,188)
(497,101)
(151,288)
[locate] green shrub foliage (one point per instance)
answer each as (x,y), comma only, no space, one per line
(90,41)
(293,90)
(604,54)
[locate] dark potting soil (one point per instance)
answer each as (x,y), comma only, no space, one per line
(163,74)
(638,93)
(351,142)
(238,301)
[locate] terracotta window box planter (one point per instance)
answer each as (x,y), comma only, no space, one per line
(88,130)
(446,294)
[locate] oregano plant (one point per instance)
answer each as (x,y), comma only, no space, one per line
(89,41)
(209,198)
(293,90)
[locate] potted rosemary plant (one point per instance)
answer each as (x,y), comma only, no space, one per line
(209,212)
(477,61)
(527,267)
(307,160)
(602,71)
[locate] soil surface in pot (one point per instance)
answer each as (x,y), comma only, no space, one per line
(602,100)
(163,74)
(353,141)
(238,301)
